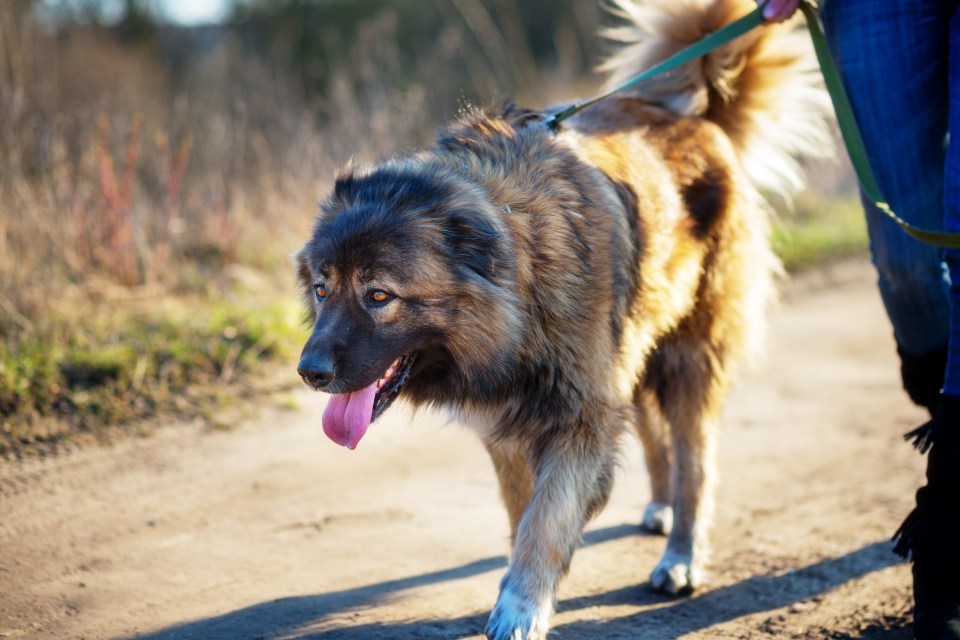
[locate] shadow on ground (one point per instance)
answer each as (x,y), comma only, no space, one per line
(301,617)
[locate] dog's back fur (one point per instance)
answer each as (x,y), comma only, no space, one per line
(555,287)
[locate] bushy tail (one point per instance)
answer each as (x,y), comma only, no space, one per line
(763,89)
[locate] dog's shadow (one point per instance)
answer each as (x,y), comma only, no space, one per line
(295,618)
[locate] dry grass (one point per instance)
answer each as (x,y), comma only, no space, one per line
(131,161)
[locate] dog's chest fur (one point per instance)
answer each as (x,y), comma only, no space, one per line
(485,421)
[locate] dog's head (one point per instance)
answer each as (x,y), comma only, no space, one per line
(408,280)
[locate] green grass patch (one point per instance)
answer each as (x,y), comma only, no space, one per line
(819,230)
(112,364)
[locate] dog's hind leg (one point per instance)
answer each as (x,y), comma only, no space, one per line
(574,473)
(690,385)
(655,436)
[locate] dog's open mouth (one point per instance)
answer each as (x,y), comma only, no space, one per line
(390,382)
(348,415)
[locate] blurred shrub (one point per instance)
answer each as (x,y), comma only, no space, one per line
(139,152)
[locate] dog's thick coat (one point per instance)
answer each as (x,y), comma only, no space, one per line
(553,288)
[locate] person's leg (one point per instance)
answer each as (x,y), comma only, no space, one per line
(931,533)
(951,178)
(892,56)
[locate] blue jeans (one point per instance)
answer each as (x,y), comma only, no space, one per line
(895,58)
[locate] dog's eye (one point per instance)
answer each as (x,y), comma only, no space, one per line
(321,292)
(379,296)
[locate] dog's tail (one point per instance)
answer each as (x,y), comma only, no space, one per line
(763,89)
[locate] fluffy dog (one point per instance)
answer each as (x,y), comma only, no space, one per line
(552,288)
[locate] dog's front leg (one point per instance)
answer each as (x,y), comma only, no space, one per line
(515,475)
(572,483)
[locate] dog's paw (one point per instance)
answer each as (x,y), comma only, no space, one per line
(676,574)
(515,618)
(658,518)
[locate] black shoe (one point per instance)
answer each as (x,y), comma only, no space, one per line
(930,536)
(922,376)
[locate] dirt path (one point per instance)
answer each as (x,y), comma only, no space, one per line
(271,531)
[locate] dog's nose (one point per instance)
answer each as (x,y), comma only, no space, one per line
(316,372)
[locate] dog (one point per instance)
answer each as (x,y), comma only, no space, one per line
(553,288)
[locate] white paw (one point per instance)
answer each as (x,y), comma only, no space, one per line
(676,574)
(516,618)
(658,518)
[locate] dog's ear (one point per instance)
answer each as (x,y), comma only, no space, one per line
(477,244)
(344,187)
(345,184)
(305,282)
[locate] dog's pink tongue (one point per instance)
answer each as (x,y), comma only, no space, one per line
(348,415)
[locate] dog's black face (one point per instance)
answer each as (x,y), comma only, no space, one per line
(370,320)
(397,267)
(361,321)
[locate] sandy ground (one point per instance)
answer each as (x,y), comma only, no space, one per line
(271,531)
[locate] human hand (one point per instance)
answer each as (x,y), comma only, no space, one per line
(778,10)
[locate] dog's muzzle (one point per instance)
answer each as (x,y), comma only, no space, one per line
(316,371)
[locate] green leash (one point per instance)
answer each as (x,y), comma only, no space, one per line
(710,42)
(838,95)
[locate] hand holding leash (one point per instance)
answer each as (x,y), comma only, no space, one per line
(778,10)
